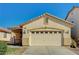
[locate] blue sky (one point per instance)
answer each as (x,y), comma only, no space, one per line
(15,14)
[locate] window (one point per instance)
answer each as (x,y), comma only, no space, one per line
(41,32)
(72,21)
(37,32)
(33,32)
(5,35)
(46,32)
(50,32)
(55,32)
(59,31)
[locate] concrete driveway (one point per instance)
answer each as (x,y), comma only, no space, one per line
(47,50)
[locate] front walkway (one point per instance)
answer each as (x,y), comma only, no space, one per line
(47,50)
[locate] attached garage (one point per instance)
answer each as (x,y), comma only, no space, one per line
(46,30)
(45,38)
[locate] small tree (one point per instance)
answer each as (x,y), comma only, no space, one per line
(3,47)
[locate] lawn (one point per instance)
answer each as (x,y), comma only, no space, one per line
(15,51)
(12,50)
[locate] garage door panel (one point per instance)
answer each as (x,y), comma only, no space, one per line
(46,38)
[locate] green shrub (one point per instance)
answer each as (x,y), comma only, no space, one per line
(3,47)
(72,45)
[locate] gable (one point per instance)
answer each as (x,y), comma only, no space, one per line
(46,22)
(57,25)
(35,24)
(48,16)
(59,21)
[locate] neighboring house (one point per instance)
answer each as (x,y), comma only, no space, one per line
(73,17)
(45,30)
(5,35)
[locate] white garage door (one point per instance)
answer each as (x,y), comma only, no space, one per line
(45,38)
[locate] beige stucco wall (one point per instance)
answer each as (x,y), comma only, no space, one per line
(40,23)
(7,38)
(25,41)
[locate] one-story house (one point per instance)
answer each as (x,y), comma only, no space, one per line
(5,35)
(44,30)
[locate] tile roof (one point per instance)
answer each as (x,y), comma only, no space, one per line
(4,30)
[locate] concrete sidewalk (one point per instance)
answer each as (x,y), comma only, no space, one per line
(47,50)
